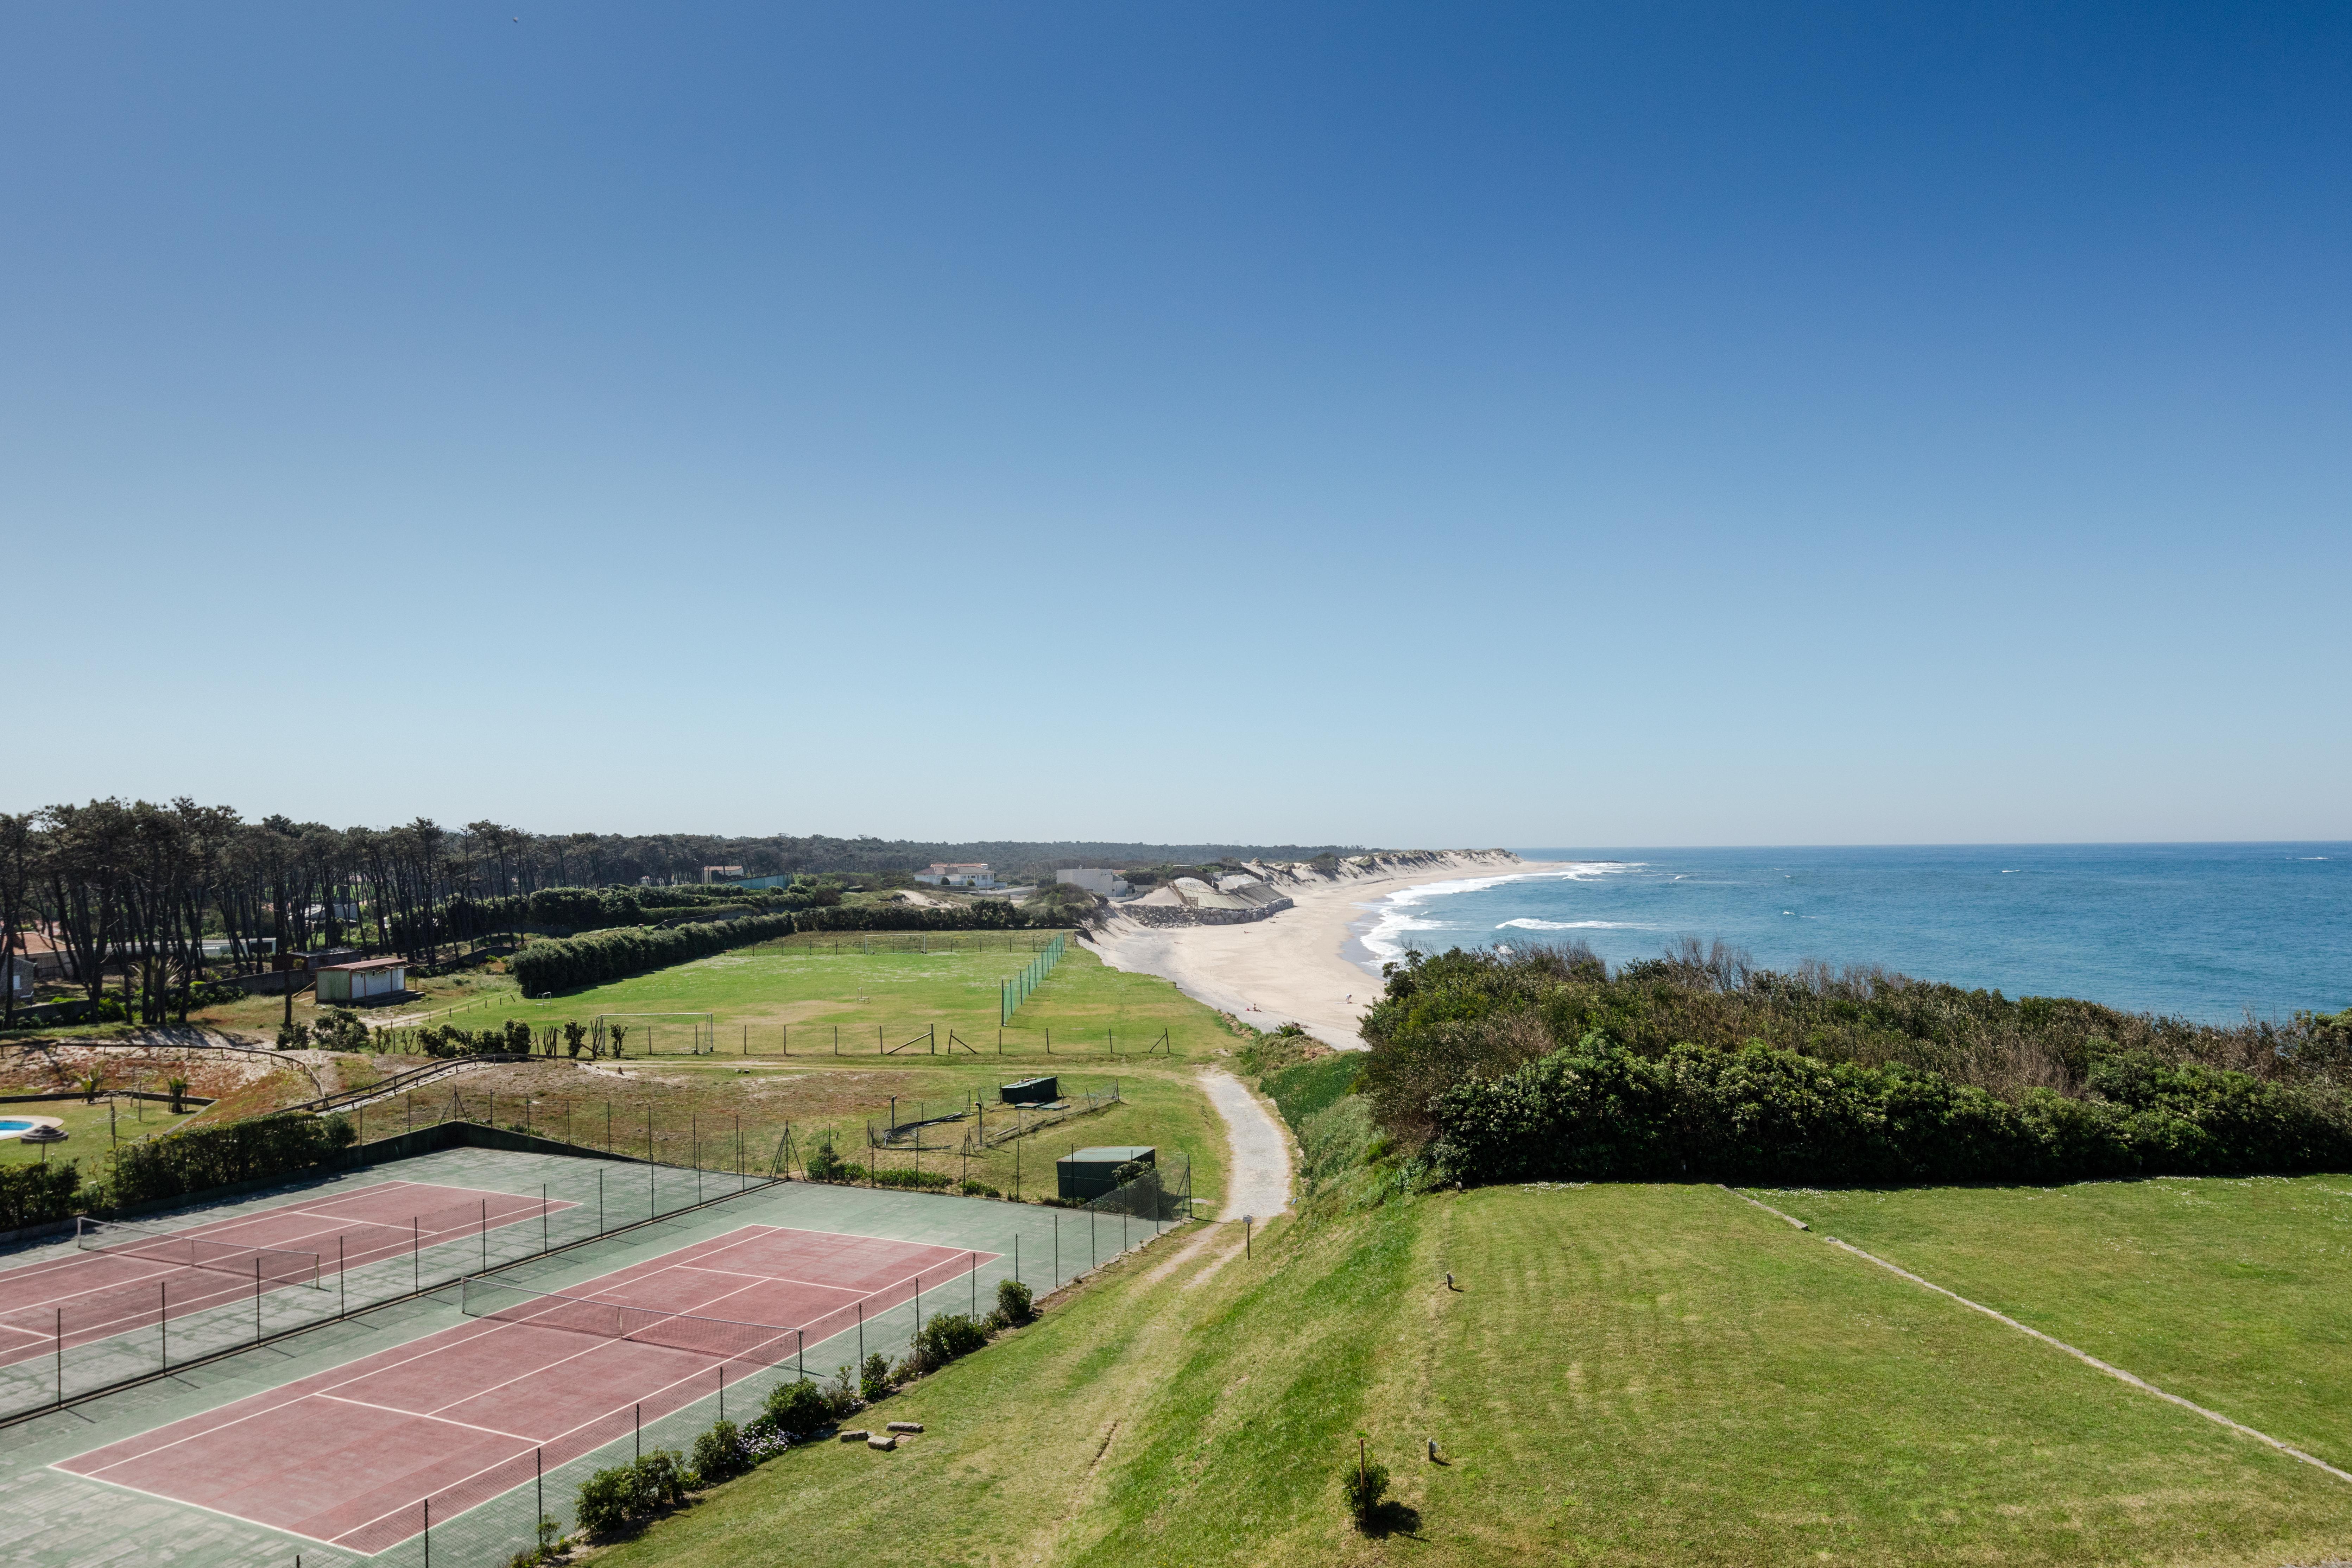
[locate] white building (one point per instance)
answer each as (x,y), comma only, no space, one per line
(966,874)
(1109,884)
(362,980)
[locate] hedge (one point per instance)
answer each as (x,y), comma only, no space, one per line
(985,914)
(37,1195)
(595,957)
(1595,1112)
(184,1163)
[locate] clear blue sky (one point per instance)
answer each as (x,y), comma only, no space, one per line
(1444,424)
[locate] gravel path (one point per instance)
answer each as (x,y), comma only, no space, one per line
(1258,1172)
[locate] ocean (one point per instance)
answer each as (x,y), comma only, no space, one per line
(2201,931)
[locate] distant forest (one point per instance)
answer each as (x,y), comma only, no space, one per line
(145,888)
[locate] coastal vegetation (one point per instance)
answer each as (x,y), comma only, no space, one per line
(1541,1064)
(1627,1373)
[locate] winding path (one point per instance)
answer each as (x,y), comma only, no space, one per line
(1258,1167)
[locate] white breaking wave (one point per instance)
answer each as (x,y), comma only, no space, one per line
(1574,925)
(1397,917)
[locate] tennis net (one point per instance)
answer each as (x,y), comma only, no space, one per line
(272,1265)
(721,1337)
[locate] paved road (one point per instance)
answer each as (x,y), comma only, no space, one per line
(1258,1168)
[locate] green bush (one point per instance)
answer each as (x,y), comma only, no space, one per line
(608,1501)
(926,1180)
(1364,1484)
(613,1500)
(947,1337)
(38,1193)
(190,1161)
(1764,1116)
(338,1029)
(598,956)
(972,1188)
(1014,1301)
(874,1380)
(824,1163)
(799,1407)
(719,1454)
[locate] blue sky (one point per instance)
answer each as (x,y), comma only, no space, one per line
(1445,424)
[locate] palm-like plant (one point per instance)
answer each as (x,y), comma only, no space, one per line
(91,1084)
(177,1087)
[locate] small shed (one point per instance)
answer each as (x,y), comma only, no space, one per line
(1085,1175)
(1032,1091)
(364,980)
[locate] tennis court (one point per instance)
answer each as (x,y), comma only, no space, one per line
(125,1278)
(367,1455)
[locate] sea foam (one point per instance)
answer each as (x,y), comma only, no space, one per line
(1399,914)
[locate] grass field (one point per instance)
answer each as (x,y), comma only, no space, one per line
(2236,1294)
(1084,1004)
(1629,1375)
(88,1133)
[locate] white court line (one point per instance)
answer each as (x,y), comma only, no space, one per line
(718,1244)
(421,1415)
(199,1507)
(771,1279)
(2084,1356)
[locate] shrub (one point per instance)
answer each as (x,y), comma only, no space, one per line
(293,1037)
(826,1164)
(37,1195)
(874,1379)
(338,1029)
(719,1454)
(607,1500)
(946,1337)
(1364,1484)
(925,1180)
(974,1189)
(799,1407)
(1014,1299)
(190,1161)
(1598,1113)
(598,956)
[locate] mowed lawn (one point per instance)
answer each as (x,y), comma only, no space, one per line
(687,1102)
(873,1003)
(1627,1376)
(2233,1292)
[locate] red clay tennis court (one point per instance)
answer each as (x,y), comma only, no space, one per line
(350,1457)
(134,1280)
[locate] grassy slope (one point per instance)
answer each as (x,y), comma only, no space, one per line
(2236,1294)
(1632,1375)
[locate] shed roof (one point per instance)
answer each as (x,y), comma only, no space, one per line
(364,964)
(1111,1155)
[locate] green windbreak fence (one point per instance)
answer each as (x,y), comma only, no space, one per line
(1021,986)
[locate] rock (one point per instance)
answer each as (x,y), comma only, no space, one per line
(886,1442)
(856,1437)
(906,1425)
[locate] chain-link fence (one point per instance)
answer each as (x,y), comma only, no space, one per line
(132,1301)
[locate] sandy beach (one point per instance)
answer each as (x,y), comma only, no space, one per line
(1294,966)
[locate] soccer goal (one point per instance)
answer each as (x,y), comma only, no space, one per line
(655,1034)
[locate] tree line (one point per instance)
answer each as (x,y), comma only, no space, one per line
(159,896)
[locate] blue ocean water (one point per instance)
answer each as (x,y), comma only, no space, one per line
(2201,931)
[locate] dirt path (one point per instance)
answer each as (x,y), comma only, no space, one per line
(1258,1176)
